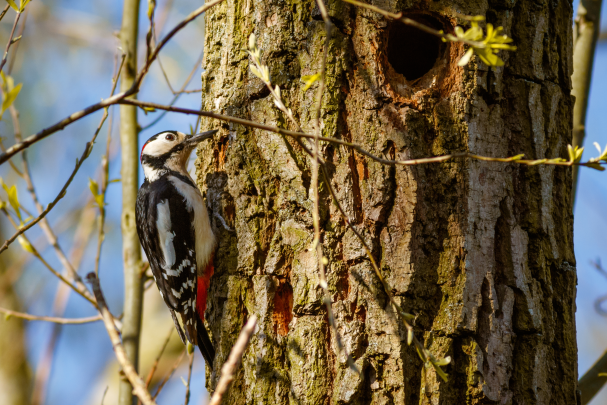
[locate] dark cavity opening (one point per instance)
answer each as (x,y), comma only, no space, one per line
(412,52)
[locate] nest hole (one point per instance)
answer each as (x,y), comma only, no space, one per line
(412,52)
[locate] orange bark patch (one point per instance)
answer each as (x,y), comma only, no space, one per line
(220,153)
(283,308)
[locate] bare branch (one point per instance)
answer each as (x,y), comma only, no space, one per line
(10,41)
(45,226)
(231,365)
(356,147)
(187,386)
(53,319)
(30,140)
(80,289)
(181,91)
(3,13)
(169,374)
(155,365)
(139,388)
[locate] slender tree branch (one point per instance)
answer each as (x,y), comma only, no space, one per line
(16,47)
(399,16)
(3,13)
(45,226)
(53,319)
(137,383)
(157,360)
(187,386)
(231,365)
(30,140)
(10,42)
(177,94)
(78,288)
(356,147)
(168,376)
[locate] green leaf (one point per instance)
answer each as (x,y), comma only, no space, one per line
(517,157)
(151,8)
(443,361)
(466,58)
(255,71)
(13,5)
(538,162)
(310,80)
(441,373)
(252,40)
(94,187)
(602,374)
(9,98)
(13,199)
(23,4)
(595,166)
(409,336)
(25,244)
(99,198)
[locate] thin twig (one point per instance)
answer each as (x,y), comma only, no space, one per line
(399,16)
(177,94)
(53,319)
(10,42)
(45,365)
(139,388)
(187,386)
(356,147)
(30,140)
(233,362)
(157,360)
(3,13)
(16,47)
(87,151)
(105,172)
(169,374)
(316,243)
(78,288)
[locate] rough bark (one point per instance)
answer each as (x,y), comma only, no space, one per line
(481,253)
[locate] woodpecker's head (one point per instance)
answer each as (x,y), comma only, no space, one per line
(169,151)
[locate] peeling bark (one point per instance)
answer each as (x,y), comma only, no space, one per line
(480,252)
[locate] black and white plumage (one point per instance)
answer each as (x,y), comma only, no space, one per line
(175,233)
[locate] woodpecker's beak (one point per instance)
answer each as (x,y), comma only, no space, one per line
(192,140)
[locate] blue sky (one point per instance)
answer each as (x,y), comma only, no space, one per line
(63,73)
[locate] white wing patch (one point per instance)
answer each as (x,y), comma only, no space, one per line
(163,224)
(205,240)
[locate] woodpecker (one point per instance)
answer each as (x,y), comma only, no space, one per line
(175,232)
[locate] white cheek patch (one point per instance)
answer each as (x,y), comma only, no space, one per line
(163,224)
(158,146)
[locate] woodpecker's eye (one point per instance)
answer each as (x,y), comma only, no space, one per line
(170,137)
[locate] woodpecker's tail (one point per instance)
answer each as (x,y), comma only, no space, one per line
(204,344)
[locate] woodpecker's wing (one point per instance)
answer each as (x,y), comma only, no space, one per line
(166,231)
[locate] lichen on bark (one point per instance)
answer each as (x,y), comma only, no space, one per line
(480,252)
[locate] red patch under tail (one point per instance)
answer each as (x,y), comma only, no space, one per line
(203,287)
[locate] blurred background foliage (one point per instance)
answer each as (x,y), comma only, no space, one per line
(65,61)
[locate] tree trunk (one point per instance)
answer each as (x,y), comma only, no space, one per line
(480,252)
